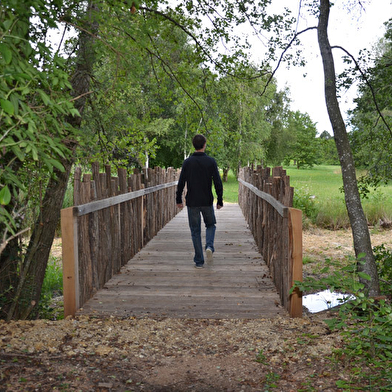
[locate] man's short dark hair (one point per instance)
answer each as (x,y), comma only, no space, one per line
(199,141)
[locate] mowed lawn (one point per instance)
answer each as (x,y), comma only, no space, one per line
(321,188)
(323,184)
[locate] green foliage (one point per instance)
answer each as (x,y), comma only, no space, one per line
(303,148)
(155,88)
(371,119)
(365,323)
(270,381)
(377,206)
(150,102)
(52,287)
(383,258)
(244,126)
(5,196)
(225,20)
(68,197)
(34,97)
(304,201)
(335,277)
(261,358)
(279,142)
(327,153)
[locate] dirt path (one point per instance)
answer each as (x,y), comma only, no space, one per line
(132,354)
(165,355)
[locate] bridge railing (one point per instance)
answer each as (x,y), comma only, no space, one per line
(111,220)
(266,201)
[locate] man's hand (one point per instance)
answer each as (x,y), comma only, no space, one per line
(218,206)
(180,205)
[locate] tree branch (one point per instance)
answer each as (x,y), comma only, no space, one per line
(282,55)
(77,27)
(186,31)
(368,84)
(194,38)
(3,245)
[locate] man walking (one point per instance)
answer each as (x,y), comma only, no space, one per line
(198,172)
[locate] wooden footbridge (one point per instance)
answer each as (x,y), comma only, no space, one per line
(127,251)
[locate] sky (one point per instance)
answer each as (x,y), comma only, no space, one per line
(353,31)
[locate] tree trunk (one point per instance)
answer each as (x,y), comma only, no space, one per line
(32,273)
(225,174)
(361,236)
(11,256)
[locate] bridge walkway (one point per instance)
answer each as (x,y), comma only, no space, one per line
(161,281)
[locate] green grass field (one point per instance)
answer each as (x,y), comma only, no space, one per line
(230,189)
(318,194)
(323,185)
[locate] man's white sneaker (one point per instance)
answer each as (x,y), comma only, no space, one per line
(210,258)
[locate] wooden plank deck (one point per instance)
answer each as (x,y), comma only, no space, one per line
(161,281)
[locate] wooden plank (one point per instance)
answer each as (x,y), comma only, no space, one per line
(124,218)
(84,256)
(69,232)
(161,279)
(162,291)
(190,307)
(146,280)
(296,273)
(77,179)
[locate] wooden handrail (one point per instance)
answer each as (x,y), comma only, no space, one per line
(93,206)
(100,236)
(277,229)
(279,207)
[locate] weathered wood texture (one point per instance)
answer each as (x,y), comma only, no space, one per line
(161,281)
(276,227)
(113,218)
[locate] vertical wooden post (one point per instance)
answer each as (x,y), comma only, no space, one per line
(296,256)
(282,271)
(69,233)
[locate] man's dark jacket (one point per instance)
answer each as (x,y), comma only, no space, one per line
(198,172)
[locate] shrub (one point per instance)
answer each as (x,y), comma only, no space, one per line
(364,322)
(383,258)
(304,201)
(52,287)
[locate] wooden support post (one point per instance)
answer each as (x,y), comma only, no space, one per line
(296,269)
(69,233)
(142,217)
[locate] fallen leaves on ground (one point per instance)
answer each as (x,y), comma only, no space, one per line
(91,354)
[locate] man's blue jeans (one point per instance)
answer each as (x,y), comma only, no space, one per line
(194,220)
